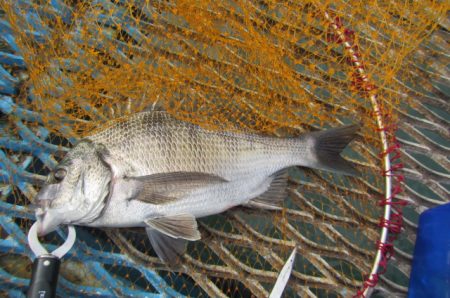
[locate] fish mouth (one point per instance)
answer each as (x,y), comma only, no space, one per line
(47,221)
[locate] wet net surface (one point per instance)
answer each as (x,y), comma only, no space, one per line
(279,69)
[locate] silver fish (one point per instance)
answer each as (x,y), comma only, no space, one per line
(151,170)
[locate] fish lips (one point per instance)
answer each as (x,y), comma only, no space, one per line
(48,221)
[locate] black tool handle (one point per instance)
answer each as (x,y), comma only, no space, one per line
(44,277)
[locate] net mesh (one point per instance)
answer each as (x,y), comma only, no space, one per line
(279,68)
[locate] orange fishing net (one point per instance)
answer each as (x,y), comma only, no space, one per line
(279,68)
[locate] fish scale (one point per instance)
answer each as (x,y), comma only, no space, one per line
(150,169)
(169,145)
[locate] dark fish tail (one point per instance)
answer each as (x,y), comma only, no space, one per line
(328,145)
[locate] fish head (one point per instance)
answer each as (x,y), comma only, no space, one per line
(75,191)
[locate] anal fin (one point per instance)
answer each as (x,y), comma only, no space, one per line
(273,198)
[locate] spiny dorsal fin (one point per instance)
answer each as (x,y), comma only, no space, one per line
(163,188)
(176,226)
(276,193)
(168,249)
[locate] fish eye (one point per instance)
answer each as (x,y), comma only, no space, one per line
(60,174)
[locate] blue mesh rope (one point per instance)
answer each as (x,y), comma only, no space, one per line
(37,148)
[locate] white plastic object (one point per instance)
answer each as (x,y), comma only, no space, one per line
(283,278)
(39,250)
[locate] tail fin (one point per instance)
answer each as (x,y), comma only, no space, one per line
(329,145)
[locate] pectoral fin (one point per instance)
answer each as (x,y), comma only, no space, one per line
(182,226)
(182,177)
(167,248)
(163,188)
